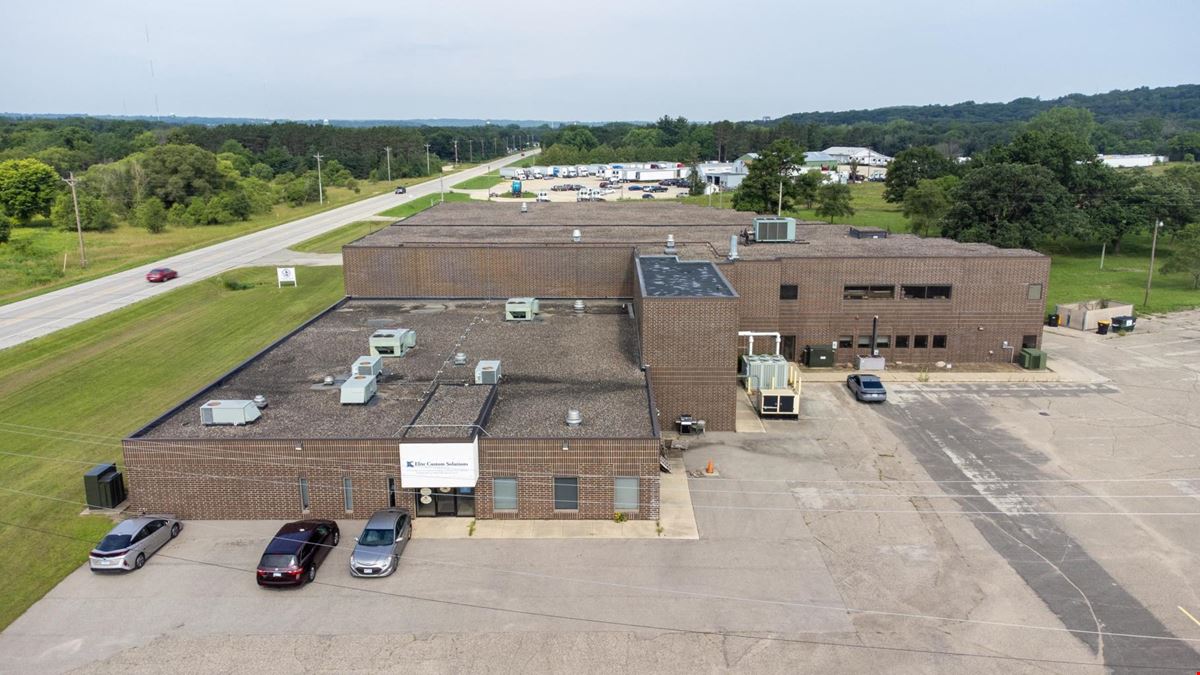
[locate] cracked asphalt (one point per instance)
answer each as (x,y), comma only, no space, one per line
(981,528)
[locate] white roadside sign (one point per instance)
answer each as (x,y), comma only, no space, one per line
(286,275)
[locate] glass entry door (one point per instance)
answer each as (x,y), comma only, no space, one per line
(446,502)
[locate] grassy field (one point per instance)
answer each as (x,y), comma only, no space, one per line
(421,203)
(32,263)
(334,240)
(96,382)
(484,182)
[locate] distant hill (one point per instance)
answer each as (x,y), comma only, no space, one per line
(215,121)
(1178,102)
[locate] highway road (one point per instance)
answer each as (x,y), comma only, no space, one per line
(44,314)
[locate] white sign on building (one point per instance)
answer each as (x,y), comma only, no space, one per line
(286,275)
(435,465)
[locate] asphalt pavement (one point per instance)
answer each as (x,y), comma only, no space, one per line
(44,314)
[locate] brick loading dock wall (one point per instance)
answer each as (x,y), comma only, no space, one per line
(538,270)
(259,479)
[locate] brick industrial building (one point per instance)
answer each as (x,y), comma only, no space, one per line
(657,338)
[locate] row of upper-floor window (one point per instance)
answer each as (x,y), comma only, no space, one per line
(888,292)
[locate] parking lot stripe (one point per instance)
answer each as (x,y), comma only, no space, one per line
(1189,615)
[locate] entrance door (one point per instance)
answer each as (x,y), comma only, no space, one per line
(447,502)
(788,348)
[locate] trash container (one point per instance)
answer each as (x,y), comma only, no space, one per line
(1051,319)
(1125,323)
(1102,326)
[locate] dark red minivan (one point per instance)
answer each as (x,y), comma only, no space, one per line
(296,551)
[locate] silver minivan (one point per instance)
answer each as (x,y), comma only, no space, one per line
(378,548)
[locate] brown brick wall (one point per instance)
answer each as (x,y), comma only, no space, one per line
(690,345)
(543,271)
(260,479)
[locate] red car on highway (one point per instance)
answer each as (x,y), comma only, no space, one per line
(160,274)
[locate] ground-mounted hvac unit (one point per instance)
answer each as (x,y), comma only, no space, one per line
(229,412)
(521,309)
(371,366)
(764,371)
(768,229)
(487,372)
(392,341)
(358,390)
(777,402)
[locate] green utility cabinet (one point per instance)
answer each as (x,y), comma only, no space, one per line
(1032,359)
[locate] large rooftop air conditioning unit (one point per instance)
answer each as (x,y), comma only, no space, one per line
(487,372)
(358,390)
(521,309)
(774,229)
(868,233)
(764,371)
(392,341)
(367,365)
(229,412)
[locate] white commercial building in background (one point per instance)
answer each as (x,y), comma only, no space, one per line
(1131,161)
(863,156)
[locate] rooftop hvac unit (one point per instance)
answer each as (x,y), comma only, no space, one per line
(521,309)
(392,341)
(868,233)
(229,412)
(358,389)
(370,366)
(774,229)
(487,372)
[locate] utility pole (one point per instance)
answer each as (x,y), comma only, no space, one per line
(456,152)
(1150,275)
(320,184)
(388,149)
(70,180)
(426,159)
(471,150)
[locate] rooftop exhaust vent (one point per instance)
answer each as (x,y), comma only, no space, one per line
(670,249)
(576,236)
(460,359)
(524,207)
(578,307)
(733,252)
(327,381)
(260,401)
(574,418)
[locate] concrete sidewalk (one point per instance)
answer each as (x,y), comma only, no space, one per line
(676,519)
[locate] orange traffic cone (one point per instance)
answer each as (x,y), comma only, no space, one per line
(710,470)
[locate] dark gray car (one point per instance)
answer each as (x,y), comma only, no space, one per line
(867,388)
(382,541)
(132,541)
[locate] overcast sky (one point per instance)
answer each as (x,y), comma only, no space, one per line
(565,60)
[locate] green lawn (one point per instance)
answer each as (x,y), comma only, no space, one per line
(421,203)
(106,378)
(870,209)
(484,182)
(32,262)
(334,240)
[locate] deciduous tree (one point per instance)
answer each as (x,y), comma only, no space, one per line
(27,188)
(775,167)
(1010,205)
(927,202)
(94,213)
(151,215)
(1185,254)
(913,165)
(833,201)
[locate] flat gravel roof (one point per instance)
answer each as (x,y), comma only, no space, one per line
(558,361)
(700,232)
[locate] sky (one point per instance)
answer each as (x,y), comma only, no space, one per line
(563,60)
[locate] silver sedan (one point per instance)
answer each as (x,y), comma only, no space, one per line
(132,541)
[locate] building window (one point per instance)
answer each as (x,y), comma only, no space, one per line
(939,341)
(868,292)
(864,341)
(391,492)
(883,341)
(925,292)
(504,494)
(304,503)
(845,341)
(789,292)
(566,494)
(920,341)
(625,494)
(901,342)
(348,493)
(1033,292)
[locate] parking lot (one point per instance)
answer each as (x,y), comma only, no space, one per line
(613,193)
(957,527)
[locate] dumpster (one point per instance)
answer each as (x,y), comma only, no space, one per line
(1052,319)
(1102,326)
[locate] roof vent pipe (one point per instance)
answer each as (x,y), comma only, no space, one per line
(576,236)
(460,359)
(328,381)
(524,207)
(578,307)
(670,249)
(260,401)
(574,418)
(733,253)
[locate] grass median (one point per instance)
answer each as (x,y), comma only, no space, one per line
(485,182)
(421,203)
(70,397)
